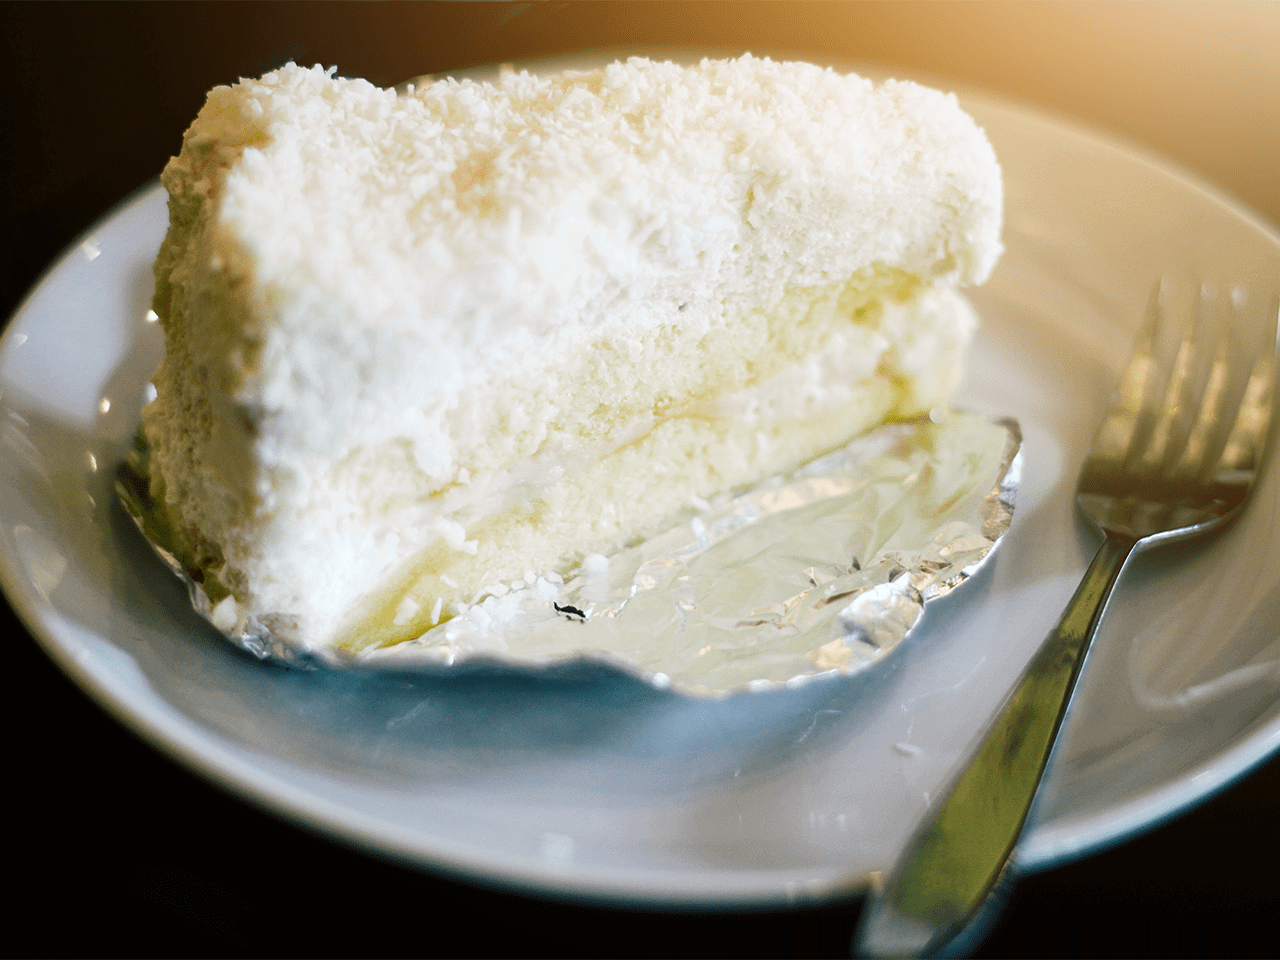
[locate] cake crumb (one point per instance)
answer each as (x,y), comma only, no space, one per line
(226,614)
(406,610)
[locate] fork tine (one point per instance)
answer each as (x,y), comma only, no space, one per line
(1153,382)
(1121,428)
(1247,437)
(1213,396)
(1181,405)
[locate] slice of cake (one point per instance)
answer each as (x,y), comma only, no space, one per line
(422,345)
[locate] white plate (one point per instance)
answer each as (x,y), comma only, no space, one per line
(591,783)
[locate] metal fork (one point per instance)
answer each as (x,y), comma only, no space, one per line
(1176,456)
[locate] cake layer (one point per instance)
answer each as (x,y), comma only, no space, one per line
(418,345)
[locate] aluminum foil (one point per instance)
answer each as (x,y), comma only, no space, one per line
(817,573)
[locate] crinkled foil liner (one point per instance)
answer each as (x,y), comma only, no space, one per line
(822,572)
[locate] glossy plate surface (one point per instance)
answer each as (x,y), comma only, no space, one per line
(588,782)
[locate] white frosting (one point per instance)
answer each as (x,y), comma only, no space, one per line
(382,309)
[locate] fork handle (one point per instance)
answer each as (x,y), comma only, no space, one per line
(957,856)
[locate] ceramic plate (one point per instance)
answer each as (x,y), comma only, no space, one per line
(585,781)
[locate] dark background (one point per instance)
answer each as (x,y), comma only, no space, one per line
(116,850)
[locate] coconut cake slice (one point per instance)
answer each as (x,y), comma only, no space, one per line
(422,345)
